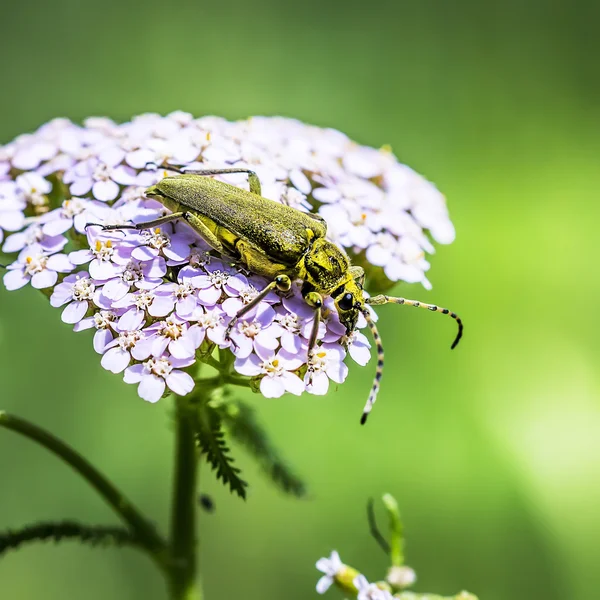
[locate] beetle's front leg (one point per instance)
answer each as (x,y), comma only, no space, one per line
(282,282)
(315,301)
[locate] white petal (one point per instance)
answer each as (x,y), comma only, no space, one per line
(151,388)
(272,387)
(180,382)
(74,312)
(249,366)
(292,383)
(337,371)
(44,279)
(319,385)
(102,338)
(105,190)
(133,374)
(15,280)
(324,584)
(117,360)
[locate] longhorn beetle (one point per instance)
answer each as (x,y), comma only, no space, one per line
(276,241)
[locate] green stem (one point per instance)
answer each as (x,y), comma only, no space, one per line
(396,530)
(143,529)
(182,574)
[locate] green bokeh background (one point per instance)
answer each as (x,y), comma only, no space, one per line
(493,450)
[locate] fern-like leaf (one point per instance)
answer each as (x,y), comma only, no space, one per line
(57,531)
(212,444)
(241,422)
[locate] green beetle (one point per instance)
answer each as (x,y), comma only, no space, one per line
(276,241)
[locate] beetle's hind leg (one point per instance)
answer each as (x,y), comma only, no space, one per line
(139,226)
(253,180)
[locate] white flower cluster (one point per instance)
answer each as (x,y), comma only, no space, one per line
(157,298)
(353,583)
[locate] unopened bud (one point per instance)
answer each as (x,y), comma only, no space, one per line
(402,577)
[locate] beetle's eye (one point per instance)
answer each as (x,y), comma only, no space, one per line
(346,302)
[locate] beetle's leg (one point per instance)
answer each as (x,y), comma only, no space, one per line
(253,180)
(145,225)
(314,300)
(282,282)
(383,299)
(195,223)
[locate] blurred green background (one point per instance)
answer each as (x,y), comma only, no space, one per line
(493,450)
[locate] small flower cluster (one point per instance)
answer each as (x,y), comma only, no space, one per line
(357,585)
(159,299)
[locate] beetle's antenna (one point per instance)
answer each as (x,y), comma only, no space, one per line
(379,372)
(382,299)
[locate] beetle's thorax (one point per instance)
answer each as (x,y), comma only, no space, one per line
(324,266)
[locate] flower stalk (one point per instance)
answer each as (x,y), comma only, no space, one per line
(183,543)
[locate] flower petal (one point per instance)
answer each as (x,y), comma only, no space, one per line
(74,312)
(180,382)
(272,387)
(151,388)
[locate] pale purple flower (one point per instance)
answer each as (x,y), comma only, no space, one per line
(178,296)
(256,334)
(211,323)
(35,266)
(295,321)
(217,282)
(276,371)
(155,374)
(325,363)
(173,334)
(76,213)
(77,292)
(103,257)
(104,322)
(152,243)
(139,305)
(118,351)
(34,234)
(245,291)
(102,176)
(134,274)
(330,567)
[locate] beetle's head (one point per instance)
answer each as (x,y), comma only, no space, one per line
(349,300)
